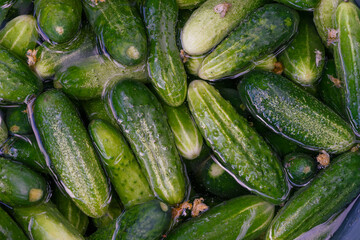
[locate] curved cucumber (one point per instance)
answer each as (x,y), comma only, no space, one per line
(143,122)
(3,129)
(71,154)
(304,5)
(295,114)
(188,4)
(9,230)
(237,146)
(300,167)
(17,120)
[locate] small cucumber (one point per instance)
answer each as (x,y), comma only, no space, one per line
(120,163)
(327,194)
(264,31)
(59,20)
(245,217)
(20,186)
(300,167)
(237,146)
(3,129)
(295,114)
(303,5)
(17,120)
(144,124)
(114,211)
(9,230)
(71,154)
(96,109)
(189,4)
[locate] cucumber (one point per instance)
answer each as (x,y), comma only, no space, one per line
(189,4)
(3,129)
(70,152)
(44,221)
(206,28)
(295,114)
(20,7)
(237,146)
(233,97)
(244,217)
(5,6)
(9,230)
(70,211)
(166,70)
(20,186)
(300,167)
(144,124)
(59,20)
(19,35)
(328,193)
(144,221)
(304,58)
(96,109)
(347,58)
(119,29)
(120,163)
(25,149)
(264,31)
(303,5)
(114,210)
(267,64)
(90,77)
(188,138)
(17,81)
(193,64)
(17,120)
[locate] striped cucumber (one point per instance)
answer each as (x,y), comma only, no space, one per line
(9,230)
(303,5)
(17,120)
(3,129)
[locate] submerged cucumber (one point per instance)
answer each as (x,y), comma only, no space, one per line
(96,109)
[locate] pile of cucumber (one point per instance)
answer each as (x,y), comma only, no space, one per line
(179,119)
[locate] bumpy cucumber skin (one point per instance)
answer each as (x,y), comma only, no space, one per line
(295,114)
(347,59)
(300,168)
(59,20)
(244,217)
(71,154)
(206,28)
(17,120)
(18,184)
(237,146)
(304,58)
(120,163)
(303,5)
(17,81)
(89,78)
(264,31)
(119,28)
(44,221)
(166,70)
(3,129)
(9,230)
(328,193)
(144,124)
(188,4)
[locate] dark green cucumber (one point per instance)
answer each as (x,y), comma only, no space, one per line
(20,7)
(233,97)
(70,211)
(44,222)
(144,124)
(295,114)
(21,186)
(3,129)
(304,5)
(264,31)
(17,120)
(189,4)
(244,217)
(59,20)
(144,221)
(88,78)
(71,154)
(119,28)
(25,149)
(347,58)
(166,70)
(96,109)
(9,230)
(120,163)
(300,167)
(5,6)
(237,146)
(304,58)
(17,81)
(327,194)
(114,211)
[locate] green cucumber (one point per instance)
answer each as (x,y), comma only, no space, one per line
(233,97)
(70,211)
(143,122)
(17,120)
(166,70)
(19,35)
(266,64)
(188,138)
(304,58)
(245,217)
(96,109)
(264,31)
(5,6)
(59,20)
(71,154)
(88,78)
(303,5)
(237,146)
(189,4)
(300,167)
(120,163)
(328,193)
(17,81)
(20,186)
(119,28)
(347,58)
(114,210)
(20,7)
(44,221)
(193,64)
(3,129)
(9,230)
(206,28)
(295,114)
